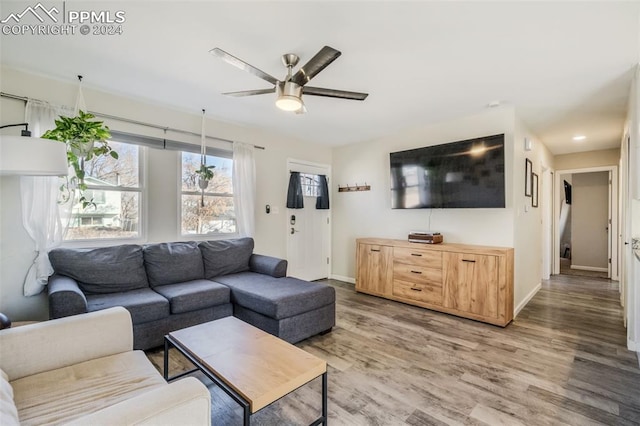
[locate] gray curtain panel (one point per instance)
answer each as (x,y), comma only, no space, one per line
(295,200)
(322,202)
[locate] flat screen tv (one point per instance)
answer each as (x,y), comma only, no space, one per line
(463,174)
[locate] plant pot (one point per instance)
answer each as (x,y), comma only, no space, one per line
(81,149)
(203,184)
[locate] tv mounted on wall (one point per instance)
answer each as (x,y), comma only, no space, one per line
(463,174)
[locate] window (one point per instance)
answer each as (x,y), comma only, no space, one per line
(210,212)
(310,185)
(115,187)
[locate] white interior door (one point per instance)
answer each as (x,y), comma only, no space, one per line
(308,232)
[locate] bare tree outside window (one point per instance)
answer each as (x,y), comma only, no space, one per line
(115,188)
(218,215)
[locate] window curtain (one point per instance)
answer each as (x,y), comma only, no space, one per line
(43,218)
(322,202)
(244,188)
(295,200)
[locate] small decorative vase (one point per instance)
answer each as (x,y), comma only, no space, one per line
(202,183)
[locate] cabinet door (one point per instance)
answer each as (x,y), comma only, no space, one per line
(375,269)
(471,283)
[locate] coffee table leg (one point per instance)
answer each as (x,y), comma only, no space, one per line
(166,359)
(324,398)
(247,415)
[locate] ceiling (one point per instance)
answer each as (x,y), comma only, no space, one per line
(566,67)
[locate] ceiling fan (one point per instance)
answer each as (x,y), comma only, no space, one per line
(290,90)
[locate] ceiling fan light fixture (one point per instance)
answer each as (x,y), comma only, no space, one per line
(289,96)
(288,103)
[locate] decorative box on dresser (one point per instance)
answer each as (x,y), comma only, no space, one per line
(470,281)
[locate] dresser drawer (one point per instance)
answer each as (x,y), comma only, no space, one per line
(426,258)
(417,274)
(419,292)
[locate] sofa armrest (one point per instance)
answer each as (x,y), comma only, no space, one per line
(48,345)
(185,402)
(268,265)
(65,297)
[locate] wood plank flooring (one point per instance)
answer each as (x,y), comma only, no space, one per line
(563,360)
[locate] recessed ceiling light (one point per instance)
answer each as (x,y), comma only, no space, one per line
(579,138)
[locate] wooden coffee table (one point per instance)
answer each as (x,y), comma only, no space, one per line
(253,367)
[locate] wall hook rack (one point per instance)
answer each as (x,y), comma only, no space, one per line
(357,187)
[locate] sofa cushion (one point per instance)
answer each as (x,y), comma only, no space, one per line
(102,270)
(193,295)
(222,257)
(277,297)
(8,409)
(68,393)
(144,304)
(169,263)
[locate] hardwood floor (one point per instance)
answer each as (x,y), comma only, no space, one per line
(563,360)
(565,269)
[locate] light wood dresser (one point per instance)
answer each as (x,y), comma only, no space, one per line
(470,281)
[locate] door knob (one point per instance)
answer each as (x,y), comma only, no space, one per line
(293,231)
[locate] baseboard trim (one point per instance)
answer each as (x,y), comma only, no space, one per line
(526,300)
(343,278)
(589,268)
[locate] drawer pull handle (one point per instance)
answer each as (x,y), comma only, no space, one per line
(467,260)
(416,289)
(416,254)
(375,250)
(416,272)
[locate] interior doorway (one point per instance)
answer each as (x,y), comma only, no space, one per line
(308,228)
(586,225)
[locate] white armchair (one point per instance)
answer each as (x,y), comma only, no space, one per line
(83,370)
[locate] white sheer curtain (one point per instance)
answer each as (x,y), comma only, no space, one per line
(244,188)
(43,218)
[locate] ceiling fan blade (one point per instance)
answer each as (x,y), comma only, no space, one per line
(333,93)
(323,58)
(239,63)
(250,92)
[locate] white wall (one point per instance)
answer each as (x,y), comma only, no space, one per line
(16,249)
(589,220)
(528,220)
(583,160)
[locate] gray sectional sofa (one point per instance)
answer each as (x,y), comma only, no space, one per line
(169,286)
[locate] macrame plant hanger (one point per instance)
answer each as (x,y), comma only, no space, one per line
(80,105)
(203,183)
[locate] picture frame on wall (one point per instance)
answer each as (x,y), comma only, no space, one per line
(534,189)
(528,183)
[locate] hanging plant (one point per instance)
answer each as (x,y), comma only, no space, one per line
(85,140)
(205,174)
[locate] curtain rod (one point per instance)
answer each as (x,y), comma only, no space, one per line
(128,120)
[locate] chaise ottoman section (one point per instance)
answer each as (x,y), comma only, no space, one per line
(287,307)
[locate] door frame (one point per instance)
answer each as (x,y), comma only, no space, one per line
(548,204)
(614,235)
(303,166)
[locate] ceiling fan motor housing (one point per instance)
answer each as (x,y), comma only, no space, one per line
(289,96)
